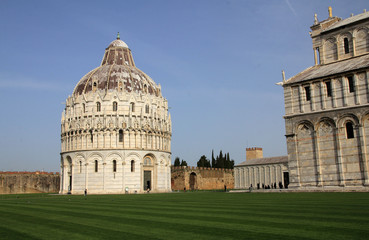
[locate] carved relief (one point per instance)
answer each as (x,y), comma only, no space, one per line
(338,82)
(304,131)
(325,129)
(295,91)
(361,76)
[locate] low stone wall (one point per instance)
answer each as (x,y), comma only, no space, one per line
(202,178)
(29,182)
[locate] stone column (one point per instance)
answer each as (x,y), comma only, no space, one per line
(357,89)
(353,46)
(315,56)
(362,154)
(86,175)
(312,95)
(367,85)
(301,99)
(242,175)
(123,175)
(246,177)
(322,54)
(293,162)
(316,154)
(344,91)
(338,49)
(103,165)
(334,98)
(73,180)
(322,94)
(61,191)
(339,158)
(251,171)
(281,172)
(270,174)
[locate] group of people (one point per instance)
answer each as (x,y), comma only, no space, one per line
(271,186)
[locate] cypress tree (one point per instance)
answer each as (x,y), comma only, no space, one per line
(212,159)
(177,162)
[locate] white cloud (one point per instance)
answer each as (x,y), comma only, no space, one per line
(290,7)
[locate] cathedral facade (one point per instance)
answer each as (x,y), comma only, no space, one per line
(116,130)
(327,108)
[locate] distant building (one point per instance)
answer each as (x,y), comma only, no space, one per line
(201,178)
(258,172)
(116,130)
(327,108)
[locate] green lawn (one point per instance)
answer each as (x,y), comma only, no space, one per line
(191,215)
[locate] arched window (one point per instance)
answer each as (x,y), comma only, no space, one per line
(96,166)
(147,161)
(147,110)
(349,130)
(83,107)
(132,106)
(121,135)
(346,45)
(132,166)
(115,106)
(307,93)
(114,165)
(91,136)
(351,84)
(80,166)
(328,88)
(98,106)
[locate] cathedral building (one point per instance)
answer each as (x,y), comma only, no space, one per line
(327,108)
(116,130)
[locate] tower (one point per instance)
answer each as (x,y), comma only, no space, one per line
(327,108)
(116,130)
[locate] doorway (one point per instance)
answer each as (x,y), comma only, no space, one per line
(147,180)
(70,183)
(192,181)
(286,179)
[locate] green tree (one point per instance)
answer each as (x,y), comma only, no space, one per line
(212,159)
(221,160)
(203,162)
(177,162)
(183,163)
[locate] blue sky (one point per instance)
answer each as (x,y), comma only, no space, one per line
(217,61)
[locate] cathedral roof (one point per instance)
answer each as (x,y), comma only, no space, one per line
(117,72)
(347,21)
(327,70)
(264,161)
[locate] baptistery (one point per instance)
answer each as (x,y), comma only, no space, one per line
(116,130)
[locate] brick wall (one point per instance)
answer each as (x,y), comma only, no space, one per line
(29,182)
(202,178)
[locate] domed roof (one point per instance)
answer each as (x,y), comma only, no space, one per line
(117,72)
(118,43)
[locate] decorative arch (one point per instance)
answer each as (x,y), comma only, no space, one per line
(347,117)
(116,155)
(95,154)
(346,44)
(304,125)
(330,50)
(305,154)
(134,155)
(362,40)
(325,126)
